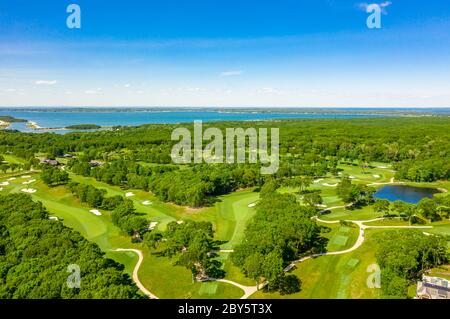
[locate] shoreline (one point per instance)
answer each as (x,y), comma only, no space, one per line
(4,125)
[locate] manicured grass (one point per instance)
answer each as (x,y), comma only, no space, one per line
(365,213)
(232,216)
(335,277)
(340,237)
(158,274)
(232,272)
(390,222)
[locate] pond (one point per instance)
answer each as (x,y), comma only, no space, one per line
(408,194)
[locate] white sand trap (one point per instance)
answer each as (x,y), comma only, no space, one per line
(376,176)
(329,185)
(382,167)
(1,188)
(4,184)
(352,177)
(318,180)
(322,206)
(11,179)
(53,218)
(129,194)
(252,205)
(29,182)
(180,222)
(26,176)
(152,225)
(28,190)
(146,203)
(95,212)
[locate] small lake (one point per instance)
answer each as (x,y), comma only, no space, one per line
(408,194)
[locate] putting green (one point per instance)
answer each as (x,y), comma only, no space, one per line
(340,240)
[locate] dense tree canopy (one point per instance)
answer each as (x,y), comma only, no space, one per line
(35,253)
(403,255)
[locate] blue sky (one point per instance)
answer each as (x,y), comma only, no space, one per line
(309,53)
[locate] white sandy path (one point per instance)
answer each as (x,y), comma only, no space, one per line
(250,290)
(136,271)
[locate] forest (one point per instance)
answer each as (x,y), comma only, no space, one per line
(281,229)
(35,253)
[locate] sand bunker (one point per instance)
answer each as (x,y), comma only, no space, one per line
(1,188)
(382,167)
(352,177)
(28,190)
(318,180)
(53,218)
(146,203)
(95,212)
(4,184)
(322,206)
(11,179)
(26,176)
(329,185)
(29,182)
(152,225)
(252,205)
(376,176)
(129,194)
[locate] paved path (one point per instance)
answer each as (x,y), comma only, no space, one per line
(392,181)
(136,270)
(249,290)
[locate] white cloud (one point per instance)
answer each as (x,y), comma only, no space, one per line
(127,85)
(45,82)
(93,91)
(383,5)
(10,90)
(270,90)
(232,73)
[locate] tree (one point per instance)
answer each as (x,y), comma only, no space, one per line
(269,188)
(54,177)
(4,168)
(428,209)
(382,206)
(288,284)
(253,267)
(38,252)
(313,199)
(272,267)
